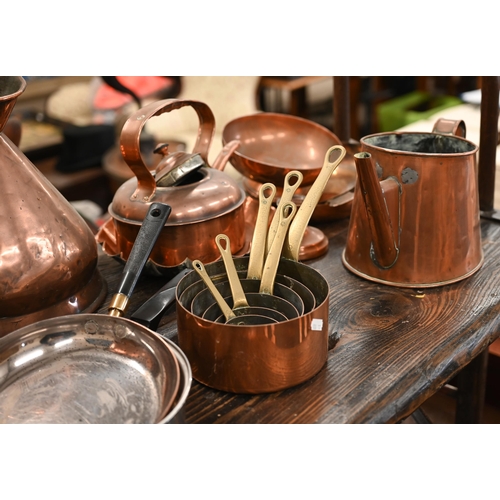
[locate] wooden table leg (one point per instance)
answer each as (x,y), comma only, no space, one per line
(471,382)
(298,102)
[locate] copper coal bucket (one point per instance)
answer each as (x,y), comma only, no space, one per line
(48,254)
(415,219)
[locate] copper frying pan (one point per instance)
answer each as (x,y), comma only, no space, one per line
(92,368)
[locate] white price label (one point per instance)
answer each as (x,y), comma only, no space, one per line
(317,324)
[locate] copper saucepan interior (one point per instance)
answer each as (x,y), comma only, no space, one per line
(213,312)
(93,368)
(244,303)
(240,315)
(284,300)
(283,287)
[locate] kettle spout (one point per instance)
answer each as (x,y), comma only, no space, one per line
(378,197)
(225,154)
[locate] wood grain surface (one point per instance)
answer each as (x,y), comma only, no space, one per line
(390,348)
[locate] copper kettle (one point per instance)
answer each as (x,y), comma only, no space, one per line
(48,254)
(205,200)
(415,219)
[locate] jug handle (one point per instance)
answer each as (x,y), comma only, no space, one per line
(446,126)
(131,133)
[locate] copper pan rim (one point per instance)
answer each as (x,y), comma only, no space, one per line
(365,144)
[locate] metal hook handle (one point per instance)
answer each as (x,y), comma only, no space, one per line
(288,192)
(200,269)
(286,215)
(239,299)
(258,246)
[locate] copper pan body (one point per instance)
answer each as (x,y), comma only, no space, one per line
(48,254)
(181,239)
(426,229)
(256,359)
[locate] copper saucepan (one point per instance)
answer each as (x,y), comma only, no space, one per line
(94,368)
(256,294)
(202,302)
(240,313)
(257,359)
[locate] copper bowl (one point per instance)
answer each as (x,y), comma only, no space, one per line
(273,144)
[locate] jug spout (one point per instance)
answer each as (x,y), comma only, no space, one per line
(379,198)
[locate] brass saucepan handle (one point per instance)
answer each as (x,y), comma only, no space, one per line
(226,310)
(258,247)
(292,181)
(286,215)
(304,213)
(239,299)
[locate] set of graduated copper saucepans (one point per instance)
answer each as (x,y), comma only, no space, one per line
(259,323)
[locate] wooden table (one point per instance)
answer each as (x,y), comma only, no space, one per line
(390,348)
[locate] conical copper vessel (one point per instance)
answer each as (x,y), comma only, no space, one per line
(48,254)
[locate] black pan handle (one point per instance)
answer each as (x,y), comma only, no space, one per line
(151,312)
(151,227)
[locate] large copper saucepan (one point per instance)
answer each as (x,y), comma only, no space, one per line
(95,368)
(205,201)
(256,358)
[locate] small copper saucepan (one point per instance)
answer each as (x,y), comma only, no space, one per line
(257,297)
(240,312)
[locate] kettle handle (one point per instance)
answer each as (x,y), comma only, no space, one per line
(131,134)
(446,126)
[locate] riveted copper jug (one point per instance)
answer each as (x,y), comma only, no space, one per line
(48,254)
(415,219)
